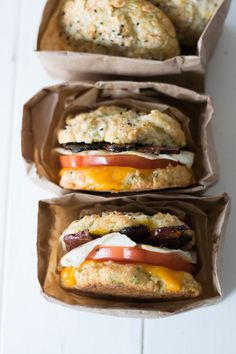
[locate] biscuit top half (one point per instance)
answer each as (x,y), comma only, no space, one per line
(117,125)
(133,28)
(190,17)
(114,221)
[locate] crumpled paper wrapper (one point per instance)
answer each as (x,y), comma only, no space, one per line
(184,70)
(44,115)
(206,215)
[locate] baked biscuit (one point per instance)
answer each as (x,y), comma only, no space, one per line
(190,17)
(117,125)
(125,179)
(130,28)
(129,280)
(52,37)
(114,221)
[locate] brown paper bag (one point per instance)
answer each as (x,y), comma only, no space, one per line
(206,215)
(184,70)
(44,115)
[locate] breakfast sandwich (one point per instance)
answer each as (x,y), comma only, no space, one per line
(117,149)
(189,17)
(129,28)
(130,255)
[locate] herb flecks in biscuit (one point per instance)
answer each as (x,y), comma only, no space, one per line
(190,17)
(117,125)
(130,28)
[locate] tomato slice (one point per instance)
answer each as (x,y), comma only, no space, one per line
(72,161)
(138,255)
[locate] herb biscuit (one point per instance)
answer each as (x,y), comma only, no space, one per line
(113,124)
(190,17)
(130,28)
(125,179)
(130,280)
(101,224)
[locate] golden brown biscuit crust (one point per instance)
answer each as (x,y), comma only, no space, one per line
(129,280)
(190,17)
(113,124)
(114,221)
(52,38)
(131,28)
(125,179)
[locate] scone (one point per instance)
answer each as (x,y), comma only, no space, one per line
(130,255)
(115,149)
(190,17)
(130,28)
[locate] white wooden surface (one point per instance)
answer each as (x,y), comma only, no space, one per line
(31,325)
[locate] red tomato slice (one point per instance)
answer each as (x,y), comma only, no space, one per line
(138,255)
(68,161)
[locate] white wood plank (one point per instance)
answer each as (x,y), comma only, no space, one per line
(29,323)
(211,329)
(8,20)
(221,85)
(206,330)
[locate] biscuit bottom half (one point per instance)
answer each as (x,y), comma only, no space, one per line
(130,280)
(121,179)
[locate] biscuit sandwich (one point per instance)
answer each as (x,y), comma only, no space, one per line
(130,255)
(128,28)
(189,17)
(116,149)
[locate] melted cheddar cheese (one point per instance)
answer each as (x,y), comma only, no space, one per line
(173,279)
(105,178)
(68,277)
